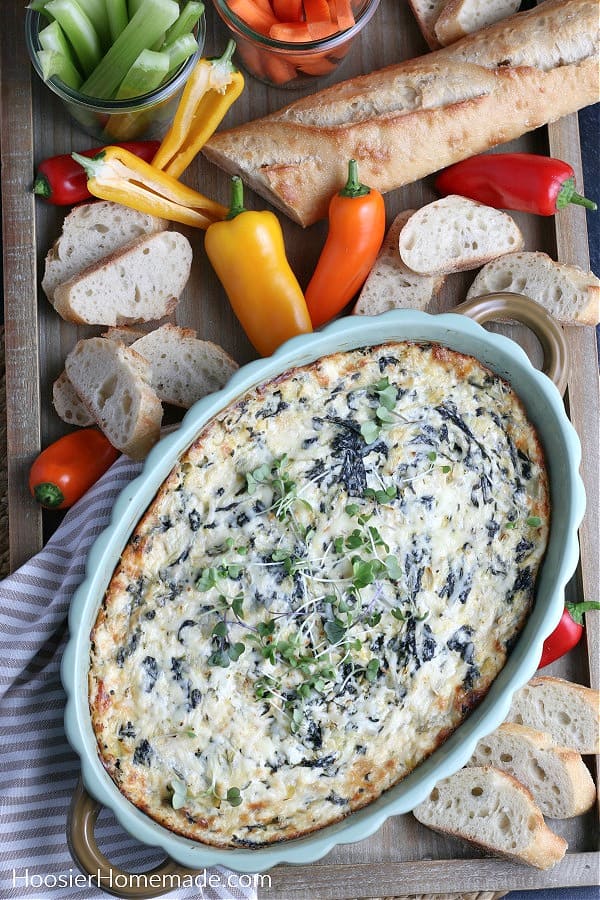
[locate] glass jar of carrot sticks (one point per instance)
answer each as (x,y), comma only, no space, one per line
(286,43)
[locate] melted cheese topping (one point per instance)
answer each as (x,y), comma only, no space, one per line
(325,585)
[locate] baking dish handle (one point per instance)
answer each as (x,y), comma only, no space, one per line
(81,822)
(504,306)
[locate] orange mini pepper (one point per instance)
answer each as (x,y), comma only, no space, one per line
(356,232)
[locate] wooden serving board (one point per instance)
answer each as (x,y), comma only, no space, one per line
(403,857)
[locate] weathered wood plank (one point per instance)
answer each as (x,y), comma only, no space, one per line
(428,876)
(20,302)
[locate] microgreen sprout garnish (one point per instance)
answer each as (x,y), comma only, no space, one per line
(181,795)
(275,476)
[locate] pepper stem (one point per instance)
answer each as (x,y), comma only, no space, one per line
(48,494)
(568,194)
(41,187)
(237,198)
(353,187)
(227,55)
(91,166)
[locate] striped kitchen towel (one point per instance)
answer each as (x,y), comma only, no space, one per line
(39,770)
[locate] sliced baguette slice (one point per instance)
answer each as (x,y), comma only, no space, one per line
(125,334)
(138,283)
(454,234)
(426,13)
(558,778)
(68,404)
(391,284)
(569,293)
(184,368)
(493,810)
(114,384)
(90,232)
(461,17)
(568,712)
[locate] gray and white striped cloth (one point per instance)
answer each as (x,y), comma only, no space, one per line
(38,768)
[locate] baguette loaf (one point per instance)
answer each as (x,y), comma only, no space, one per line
(391,285)
(454,234)
(568,712)
(114,383)
(571,295)
(493,810)
(408,120)
(461,17)
(139,283)
(90,232)
(559,780)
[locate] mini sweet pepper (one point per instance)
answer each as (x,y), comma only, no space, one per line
(209,92)
(117,175)
(247,252)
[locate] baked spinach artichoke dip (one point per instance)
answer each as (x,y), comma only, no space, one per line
(323,588)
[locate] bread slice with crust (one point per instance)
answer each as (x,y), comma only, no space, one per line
(569,293)
(90,232)
(568,712)
(426,12)
(461,17)
(139,283)
(68,404)
(493,810)
(390,284)
(113,381)
(454,234)
(557,777)
(184,368)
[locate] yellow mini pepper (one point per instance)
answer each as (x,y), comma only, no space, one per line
(247,252)
(118,175)
(209,92)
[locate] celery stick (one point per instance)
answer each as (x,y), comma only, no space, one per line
(179,51)
(95,10)
(152,18)
(52,37)
(186,21)
(79,30)
(56,65)
(39,6)
(147,72)
(133,6)
(117,17)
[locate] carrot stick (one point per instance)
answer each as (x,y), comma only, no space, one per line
(301,31)
(288,10)
(317,11)
(255,17)
(342,14)
(277,69)
(317,65)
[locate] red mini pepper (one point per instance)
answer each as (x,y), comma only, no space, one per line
(520,181)
(356,232)
(62,181)
(66,469)
(567,633)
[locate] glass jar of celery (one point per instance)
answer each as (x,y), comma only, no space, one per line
(119,66)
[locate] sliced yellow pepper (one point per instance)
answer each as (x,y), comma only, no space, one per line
(209,92)
(247,252)
(118,175)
